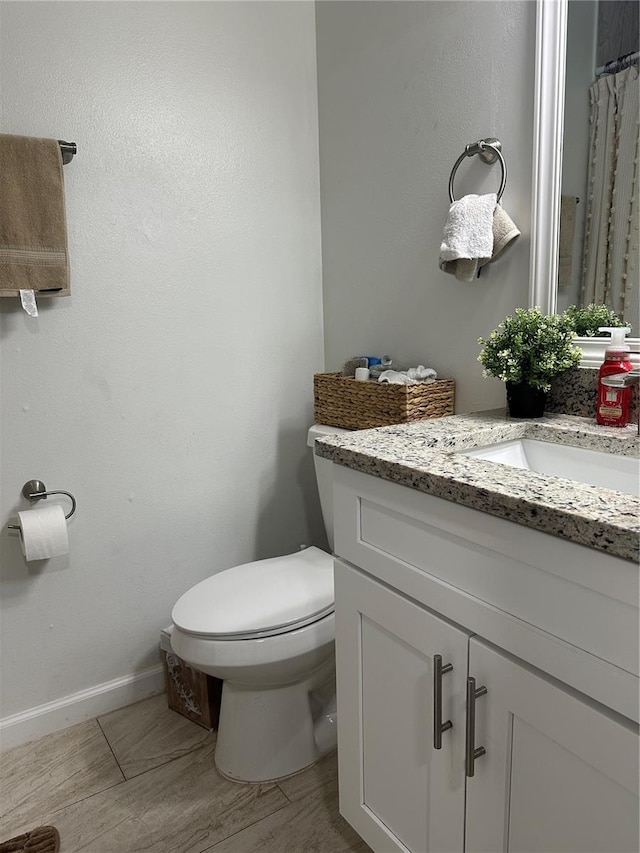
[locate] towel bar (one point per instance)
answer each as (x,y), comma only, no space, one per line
(489,150)
(68,149)
(35,490)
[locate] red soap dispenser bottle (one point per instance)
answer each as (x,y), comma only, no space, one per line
(614,403)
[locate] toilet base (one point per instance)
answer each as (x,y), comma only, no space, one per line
(267,733)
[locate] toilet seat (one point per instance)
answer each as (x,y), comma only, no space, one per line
(259,599)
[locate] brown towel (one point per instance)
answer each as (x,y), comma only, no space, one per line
(33,230)
(567,229)
(505,232)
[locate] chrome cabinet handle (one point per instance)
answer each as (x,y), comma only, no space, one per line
(471,751)
(438,726)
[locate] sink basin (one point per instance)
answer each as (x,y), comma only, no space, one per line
(605,470)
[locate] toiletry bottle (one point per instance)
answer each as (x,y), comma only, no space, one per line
(614,403)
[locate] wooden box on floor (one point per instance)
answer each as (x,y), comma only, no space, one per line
(190,692)
(343,401)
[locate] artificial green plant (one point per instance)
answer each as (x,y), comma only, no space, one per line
(587,321)
(530,347)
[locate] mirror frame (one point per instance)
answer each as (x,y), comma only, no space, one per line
(548,119)
(548,128)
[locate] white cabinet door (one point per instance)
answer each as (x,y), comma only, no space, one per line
(560,773)
(396,789)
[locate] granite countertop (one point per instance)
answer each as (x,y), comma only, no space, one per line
(423,455)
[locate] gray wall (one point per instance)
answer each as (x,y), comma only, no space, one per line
(172,392)
(403,87)
(617,29)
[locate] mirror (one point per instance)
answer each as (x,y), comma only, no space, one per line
(551,58)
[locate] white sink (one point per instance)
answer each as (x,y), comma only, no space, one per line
(606,470)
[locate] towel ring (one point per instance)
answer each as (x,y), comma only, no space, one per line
(489,151)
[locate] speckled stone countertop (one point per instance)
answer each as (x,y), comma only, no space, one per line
(424,455)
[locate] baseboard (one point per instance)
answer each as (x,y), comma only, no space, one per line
(84,705)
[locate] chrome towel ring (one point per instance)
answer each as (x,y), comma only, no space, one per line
(489,151)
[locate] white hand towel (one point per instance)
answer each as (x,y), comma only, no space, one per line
(468,231)
(424,374)
(413,376)
(504,231)
(396,377)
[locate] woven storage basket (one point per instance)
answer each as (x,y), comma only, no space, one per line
(346,402)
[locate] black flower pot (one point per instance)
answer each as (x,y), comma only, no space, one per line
(525,401)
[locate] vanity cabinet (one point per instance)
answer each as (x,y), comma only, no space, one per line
(559,773)
(397,791)
(417,587)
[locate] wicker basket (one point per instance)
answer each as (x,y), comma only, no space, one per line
(346,402)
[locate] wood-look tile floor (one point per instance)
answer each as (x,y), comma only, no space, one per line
(142,780)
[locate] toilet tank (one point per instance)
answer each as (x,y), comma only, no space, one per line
(323,476)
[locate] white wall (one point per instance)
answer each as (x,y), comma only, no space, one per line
(403,87)
(172,392)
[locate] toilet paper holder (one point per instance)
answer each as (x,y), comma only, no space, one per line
(35,490)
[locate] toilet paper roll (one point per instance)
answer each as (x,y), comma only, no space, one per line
(43,532)
(362,374)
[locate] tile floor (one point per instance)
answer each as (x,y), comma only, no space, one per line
(142,779)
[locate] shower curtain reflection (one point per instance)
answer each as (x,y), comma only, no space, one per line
(610,265)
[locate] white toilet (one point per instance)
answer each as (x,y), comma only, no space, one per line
(267,629)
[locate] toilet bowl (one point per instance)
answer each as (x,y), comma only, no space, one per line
(266,628)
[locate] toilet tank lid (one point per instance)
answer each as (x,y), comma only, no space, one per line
(318,430)
(258,596)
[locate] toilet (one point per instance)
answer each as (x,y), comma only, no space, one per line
(267,629)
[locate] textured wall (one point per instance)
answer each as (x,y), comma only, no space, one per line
(403,87)
(172,392)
